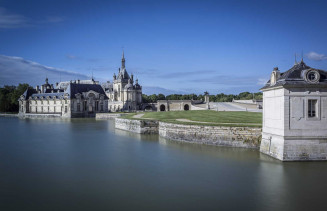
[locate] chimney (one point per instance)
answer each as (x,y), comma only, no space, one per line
(51,86)
(57,84)
(37,88)
(42,88)
(78,81)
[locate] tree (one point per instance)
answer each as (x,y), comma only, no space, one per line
(9,96)
(161,97)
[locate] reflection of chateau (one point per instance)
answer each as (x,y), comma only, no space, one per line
(123,94)
(295,114)
(68,99)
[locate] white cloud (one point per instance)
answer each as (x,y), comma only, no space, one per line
(10,20)
(14,70)
(262,81)
(315,56)
(149,90)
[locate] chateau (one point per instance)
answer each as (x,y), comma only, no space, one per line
(295,114)
(75,100)
(82,98)
(123,94)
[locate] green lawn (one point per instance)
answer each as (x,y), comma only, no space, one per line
(237,118)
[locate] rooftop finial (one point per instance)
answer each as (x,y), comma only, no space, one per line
(295,60)
(123,61)
(123,53)
(302,57)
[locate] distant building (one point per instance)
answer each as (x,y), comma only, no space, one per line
(295,114)
(68,99)
(184,105)
(123,93)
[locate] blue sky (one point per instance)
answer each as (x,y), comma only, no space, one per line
(170,46)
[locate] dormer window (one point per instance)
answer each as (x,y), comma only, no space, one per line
(312,76)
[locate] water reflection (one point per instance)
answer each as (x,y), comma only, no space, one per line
(86,164)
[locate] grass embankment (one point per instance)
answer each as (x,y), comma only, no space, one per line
(206,117)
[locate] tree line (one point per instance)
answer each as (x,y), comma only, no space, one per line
(212,98)
(9,97)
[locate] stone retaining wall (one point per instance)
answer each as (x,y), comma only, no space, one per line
(8,115)
(28,115)
(247,137)
(108,115)
(137,126)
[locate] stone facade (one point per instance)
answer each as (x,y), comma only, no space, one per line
(75,100)
(295,114)
(183,105)
(109,115)
(246,137)
(174,105)
(123,93)
(137,126)
(212,135)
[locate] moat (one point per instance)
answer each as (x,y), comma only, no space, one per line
(87,164)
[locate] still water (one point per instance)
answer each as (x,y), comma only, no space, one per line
(85,164)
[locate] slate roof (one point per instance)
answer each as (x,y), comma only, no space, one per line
(73,89)
(295,76)
(51,95)
(28,93)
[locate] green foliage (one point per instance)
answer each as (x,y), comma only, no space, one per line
(9,97)
(207,117)
(213,98)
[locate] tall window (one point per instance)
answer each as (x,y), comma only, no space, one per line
(84,106)
(96,105)
(312,108)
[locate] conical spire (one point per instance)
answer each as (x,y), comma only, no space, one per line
(123,61)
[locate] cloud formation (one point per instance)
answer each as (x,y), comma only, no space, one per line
(80,58)
(9,20)
(262,81)
(15,70)
(149,90)
(316,56)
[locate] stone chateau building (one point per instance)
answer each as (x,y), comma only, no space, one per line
(123,93)
(82,98)
(68,99)
(295,114)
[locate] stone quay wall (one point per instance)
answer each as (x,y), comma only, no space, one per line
(137,126)
(37,116)
(8,115)
(108,115)
(246,137)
